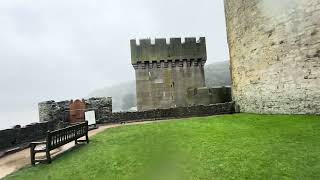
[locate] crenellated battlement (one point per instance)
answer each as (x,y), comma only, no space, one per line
(170,64)
(165,69)
(159,50)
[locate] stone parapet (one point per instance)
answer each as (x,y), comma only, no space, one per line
(18,136)
(171,113)
(160,50)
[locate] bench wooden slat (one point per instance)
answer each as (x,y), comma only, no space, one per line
(41,150)
(59,138)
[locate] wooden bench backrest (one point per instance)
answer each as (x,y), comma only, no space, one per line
(63,136)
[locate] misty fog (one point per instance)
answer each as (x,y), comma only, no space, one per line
(68,49)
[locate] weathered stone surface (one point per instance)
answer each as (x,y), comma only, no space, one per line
(274,51)
(53,115)
(102,106)
(59,111)
(206,96)
(158,51)
(17,136)
(178,112)
(53,111)
(164,72)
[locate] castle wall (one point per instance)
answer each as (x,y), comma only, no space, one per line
(164,72)
(171,113)
(102,106)
(59,111)
(53,111)
(207,96)
(274,51)
(22,136)
(146,51)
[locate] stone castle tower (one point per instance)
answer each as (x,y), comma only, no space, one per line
(275,55)
(165,71)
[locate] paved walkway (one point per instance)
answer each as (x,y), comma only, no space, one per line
(18,160)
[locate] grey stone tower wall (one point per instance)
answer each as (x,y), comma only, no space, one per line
(164,72)
(274,51)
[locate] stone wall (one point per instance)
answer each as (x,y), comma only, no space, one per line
(11,138)
(18,136)
(101,106)
(179,112)
(164,72)
(275,55)
(59,111)
(52,115)
(206,96)
(53,111)
(146,51)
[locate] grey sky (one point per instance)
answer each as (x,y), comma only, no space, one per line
(66,49)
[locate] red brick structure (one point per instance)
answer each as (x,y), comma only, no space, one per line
(77,111)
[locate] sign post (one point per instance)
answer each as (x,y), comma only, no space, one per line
(91,118)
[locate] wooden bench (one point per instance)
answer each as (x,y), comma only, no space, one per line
(59,138)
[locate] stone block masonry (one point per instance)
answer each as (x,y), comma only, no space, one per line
(59,111)
(53,115)
(18,136)
(101,106)
(275,55)
(146,51)
(178,112)
(11,138)
(165,72)
(207,96)
(53,111)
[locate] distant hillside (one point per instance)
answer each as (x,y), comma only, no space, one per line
(218,74)
(120,93)
(124,95)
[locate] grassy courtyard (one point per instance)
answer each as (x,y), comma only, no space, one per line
(240,146)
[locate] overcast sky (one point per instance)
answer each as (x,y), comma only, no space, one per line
(58,49)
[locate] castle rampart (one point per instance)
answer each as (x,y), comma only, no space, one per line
(164,72)
(175,50)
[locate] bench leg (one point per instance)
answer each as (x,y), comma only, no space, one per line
(76,142)
(87,138)
(32,155)
(48,156)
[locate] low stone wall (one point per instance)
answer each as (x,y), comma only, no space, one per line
(53,111)
(179,112)
(59,111)
(101,106)
(206,96)
(10,138)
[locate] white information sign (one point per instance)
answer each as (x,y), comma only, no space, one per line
(90,117)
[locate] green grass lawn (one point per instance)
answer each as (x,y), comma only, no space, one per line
(240,146)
